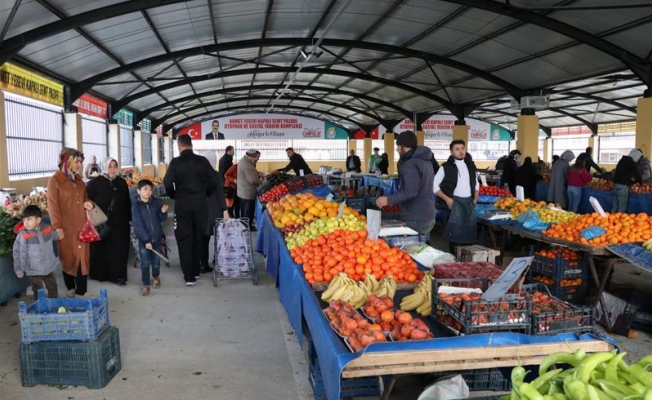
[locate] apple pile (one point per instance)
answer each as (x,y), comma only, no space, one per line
(636,188)
(392,209)
(274,194)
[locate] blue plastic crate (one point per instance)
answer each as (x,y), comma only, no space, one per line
(84,320)
(353,387)
(558,268)
(91,364)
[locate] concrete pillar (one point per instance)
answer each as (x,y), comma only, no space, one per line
(139,153)
(114,141)
(72,130)
(367,154)
(644,126)
(389,149)
(594,143)
(528,136)
(547,150)
(167,148)
(461,132)
(421,138)
(155,150)
(4,161)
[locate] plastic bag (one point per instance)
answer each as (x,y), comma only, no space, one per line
(592,232)
(87,233)
(448,388)
(535,224)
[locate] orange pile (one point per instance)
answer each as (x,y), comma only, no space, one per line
(566,254)
(352,253)
(620,228)
(303,208)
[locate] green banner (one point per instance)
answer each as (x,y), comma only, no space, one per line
(498,133)
(334,132)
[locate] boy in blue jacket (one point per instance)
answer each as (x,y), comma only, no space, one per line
(33,252)
(147,214)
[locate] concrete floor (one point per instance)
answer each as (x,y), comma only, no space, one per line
(232,342)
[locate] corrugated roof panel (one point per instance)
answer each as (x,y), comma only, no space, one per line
(184,25)
(30,15)
(117,91)
(295,18)
(239,20)
(636,40)
(484,55)
(595,21)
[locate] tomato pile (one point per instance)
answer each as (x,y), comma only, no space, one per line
(495,191)
(392,209)
(275,193)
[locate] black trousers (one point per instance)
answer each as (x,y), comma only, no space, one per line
(79,282)
(247,209)
(189,227)
(234,211)
(205,245)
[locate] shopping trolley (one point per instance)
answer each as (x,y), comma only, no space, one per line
(234,257)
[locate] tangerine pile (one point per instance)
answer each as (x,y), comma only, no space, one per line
(566,254)
(620,228)
(352,253)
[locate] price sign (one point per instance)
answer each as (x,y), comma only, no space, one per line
(507,279)
(483,180)
(341,210)
(329,197)
(373,224)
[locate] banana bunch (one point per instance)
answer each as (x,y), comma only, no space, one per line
(346,289)
(421,299)
(371,283)
(387,287)
(647,245)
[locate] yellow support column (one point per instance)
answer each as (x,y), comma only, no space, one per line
(139,150)
(351,146)
(461,132)
(4,161)
(594,143)
(644,126)
(527,141)
(547,157)
(421,138)
(367,154)
(389,149)
(114,141)
(72,131)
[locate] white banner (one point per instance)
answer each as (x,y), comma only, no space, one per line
(440,127)
(263,126)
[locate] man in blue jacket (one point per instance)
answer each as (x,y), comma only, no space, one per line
(415,185)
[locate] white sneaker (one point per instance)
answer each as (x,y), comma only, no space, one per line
(71,294)
(191,283)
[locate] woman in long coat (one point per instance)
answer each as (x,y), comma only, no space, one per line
(67,205)
(109,256)
(557,189)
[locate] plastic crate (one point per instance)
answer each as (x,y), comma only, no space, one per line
(481,316)
(570,319)
(357,203)
(353,387)
(85,319)
(481,379)
(91,364)
(559,269)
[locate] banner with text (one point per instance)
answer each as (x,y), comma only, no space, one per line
(26,83)
(92,106)
(263,126)
(440,127)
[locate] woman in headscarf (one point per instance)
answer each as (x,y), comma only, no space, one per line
(509,171)
(527,177)
(557,190)
(67,205)
(109,256)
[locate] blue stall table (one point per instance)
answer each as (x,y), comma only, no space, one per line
(541,193)
(637,202)
(389,186)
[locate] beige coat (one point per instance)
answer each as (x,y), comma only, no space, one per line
(248,179)
(66,208)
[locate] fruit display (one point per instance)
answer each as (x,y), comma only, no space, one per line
(564,253)
(602,375)
(374,308)
(421,299)
(647,245)
(314,181)
(636,188)
(275,193)
(387,286)
(321,227)
(495,191)
(40,199)
(351,252)
(555,216)
(295,210)
(295,183)
(620,229)
(516,207)
(344,289)
(348,323)
(391,209)
(551,282)
(600,184)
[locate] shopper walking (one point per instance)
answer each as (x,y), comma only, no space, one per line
(189,180)
(67,205)
(527,177)
(626,174)
(109,256)
(226,161)
(456,183)
(557,189)
(415,185)
(248,181)
(578,177)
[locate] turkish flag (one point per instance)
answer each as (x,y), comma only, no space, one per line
(194,131)
(360,134)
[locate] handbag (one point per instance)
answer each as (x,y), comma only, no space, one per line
(100,220)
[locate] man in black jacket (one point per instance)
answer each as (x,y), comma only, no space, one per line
(353,162)
(226,161)
(190,178)
(297,163)
(457,184)
(626,174)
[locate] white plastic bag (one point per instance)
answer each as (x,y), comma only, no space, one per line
(426,255)
(448,388)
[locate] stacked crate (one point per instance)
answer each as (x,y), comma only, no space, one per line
(563,271)
(68,342)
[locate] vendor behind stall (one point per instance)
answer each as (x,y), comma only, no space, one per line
(456,183)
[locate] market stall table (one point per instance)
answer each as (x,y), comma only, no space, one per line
(389,186)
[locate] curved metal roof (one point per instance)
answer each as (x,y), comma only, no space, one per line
(355,62)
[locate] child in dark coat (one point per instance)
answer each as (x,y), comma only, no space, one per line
(147,215)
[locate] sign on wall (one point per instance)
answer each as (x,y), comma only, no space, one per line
(440,127)
(263,126)
(92,106)
(26,83)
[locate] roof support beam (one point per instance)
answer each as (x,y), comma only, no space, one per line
(83,86)
(251,109)
(9,20)
(639,66)
(228,90)
(308,70)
